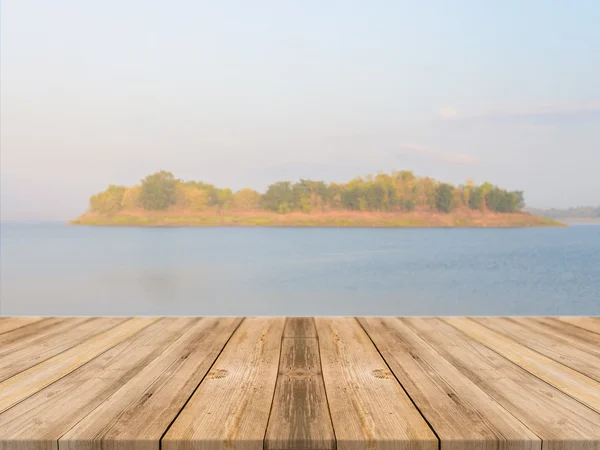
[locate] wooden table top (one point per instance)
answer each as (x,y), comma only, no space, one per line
(275,383)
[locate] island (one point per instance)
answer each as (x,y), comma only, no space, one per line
(394,200)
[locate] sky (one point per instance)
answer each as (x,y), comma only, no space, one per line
(240,93)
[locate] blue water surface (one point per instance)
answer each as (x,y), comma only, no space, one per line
(53,269)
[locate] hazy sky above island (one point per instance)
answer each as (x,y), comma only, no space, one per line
(242,93)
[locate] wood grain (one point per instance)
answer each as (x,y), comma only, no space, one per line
(299,384)
(300,327)
(300,417)
(47,372)
(21,336)
(38,422)
(562,422)
(533,335)
(230,409)
(576,336)
(12,323)
(41,331)
(16,358)
(137,415)
(369,409)
(573,383)
(463,416)
(587,323)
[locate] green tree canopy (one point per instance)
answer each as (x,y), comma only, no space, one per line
(108,201)
(246,199)
(444,196)
(191,198)
(158,191)
(278,194)
(224,198)
(398,191)
(131,198)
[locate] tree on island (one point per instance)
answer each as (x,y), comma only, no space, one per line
(444,196)
(159,191)
(109,201)
(396,192)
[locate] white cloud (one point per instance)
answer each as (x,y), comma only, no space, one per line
(448,112)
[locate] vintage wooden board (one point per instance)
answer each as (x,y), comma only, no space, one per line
(35,378)
(300,414)
(12,323)
(575,335)
(137,415)
(22,335)
(558,419)
(535,336)
(463,416)
(587,323)
(369,408)
(16,358)
(231,407)
(299,383)
(569,381)
(39,421)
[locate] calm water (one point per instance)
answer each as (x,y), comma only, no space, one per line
(55,269)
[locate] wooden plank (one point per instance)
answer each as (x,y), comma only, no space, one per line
(23,335)
(300,327)
(16,358)
(463,416)
(230,409)
(579,337)
(533,335)
(300,416)
(587,323)
(369,409)
(138,414)
(39,421)
(573,383)
(41,375)
(559,420)
(12,323)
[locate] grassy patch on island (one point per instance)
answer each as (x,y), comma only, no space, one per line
(462,219)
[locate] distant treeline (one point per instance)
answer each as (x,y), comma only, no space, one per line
(580,212)
(398,191)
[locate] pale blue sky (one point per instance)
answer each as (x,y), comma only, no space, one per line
(247,92)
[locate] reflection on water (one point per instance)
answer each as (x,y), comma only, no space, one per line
(54,269)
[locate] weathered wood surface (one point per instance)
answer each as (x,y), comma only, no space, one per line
(300,327)
(56,339)
(12,323)
(299,383)
(20,336)
(569,381)
(577,336)
(369,409)
(547,342)
(38,422)
(300,415)
(231,407)
(41,375)
(558,419)
(463,415)
(587,323)
(140,412)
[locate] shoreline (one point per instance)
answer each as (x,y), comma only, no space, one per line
(325,220)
